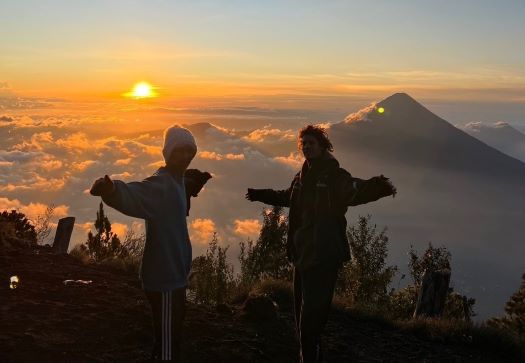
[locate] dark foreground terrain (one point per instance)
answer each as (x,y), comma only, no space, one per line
(43,320)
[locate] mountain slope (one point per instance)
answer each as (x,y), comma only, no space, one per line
(408,133)
(109,321)
(501,136)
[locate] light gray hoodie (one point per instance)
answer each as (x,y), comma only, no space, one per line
(161,201)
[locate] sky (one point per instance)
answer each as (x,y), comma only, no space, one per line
(257,71)
(277,54)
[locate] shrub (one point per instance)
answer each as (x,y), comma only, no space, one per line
(280,291)
(365,278)
(514,319)
(211,279)
(267,257)
(80,253)
(433,259)
(105,244)
(20,225)
(42,225)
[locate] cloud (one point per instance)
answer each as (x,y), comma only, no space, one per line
(294,160)
(36,182)
(212,155)
(120,229)
(19,156)
(77,142)
(87,226)
(361,115)
(6,119)
(247,227)
(120,162)
(83,165)
(51,164)
(477,127)
(201,231)
(37,142)
(268,134)
(32,210)
(124,175)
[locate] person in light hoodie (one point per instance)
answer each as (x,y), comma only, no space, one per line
(162,200)
(317,245)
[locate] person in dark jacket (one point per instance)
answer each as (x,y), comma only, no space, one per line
(317,244)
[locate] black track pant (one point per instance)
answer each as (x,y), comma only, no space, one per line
(313,292)
(168,310)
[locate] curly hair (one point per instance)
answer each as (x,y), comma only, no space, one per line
(319,133)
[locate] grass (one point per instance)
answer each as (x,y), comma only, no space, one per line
(454,331)
(444,330)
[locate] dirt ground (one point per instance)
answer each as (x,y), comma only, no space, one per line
(109,320)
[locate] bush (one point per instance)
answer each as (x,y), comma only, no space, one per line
(365,278)
(433,259)
(211,278)
(514,319)
(280,291)
(105,244)
(402,303)
(80,253)
(20,227)
(42,227)
(267,257)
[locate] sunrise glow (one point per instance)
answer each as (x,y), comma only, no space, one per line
(141,90)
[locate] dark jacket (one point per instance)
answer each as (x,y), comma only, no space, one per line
(318,198)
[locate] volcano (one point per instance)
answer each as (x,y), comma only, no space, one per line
(454,190)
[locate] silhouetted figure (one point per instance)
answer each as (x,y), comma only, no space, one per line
(317,243)
(162,200)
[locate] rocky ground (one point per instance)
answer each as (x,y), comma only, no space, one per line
(43,320)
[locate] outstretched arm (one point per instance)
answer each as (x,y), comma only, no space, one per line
(269,196)
(135,199)
(359,191)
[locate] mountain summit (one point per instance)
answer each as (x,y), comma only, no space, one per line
(401,130)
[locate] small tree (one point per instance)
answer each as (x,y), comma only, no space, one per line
(23,229)
(403,302)
(514,319)
(134,243)
(434,259)
(42,227)
(366,277)
(211,279)
(267,257)
(105,243)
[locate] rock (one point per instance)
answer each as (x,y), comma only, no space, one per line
(260,307)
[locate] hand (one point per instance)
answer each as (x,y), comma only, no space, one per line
(194,180)
(102,186)
(387,185)
(199,176)
(252,195)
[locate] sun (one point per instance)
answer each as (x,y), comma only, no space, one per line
(142,90)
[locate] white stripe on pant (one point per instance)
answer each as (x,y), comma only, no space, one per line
(166,325)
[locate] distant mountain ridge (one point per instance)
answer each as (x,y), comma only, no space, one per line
(500,135)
